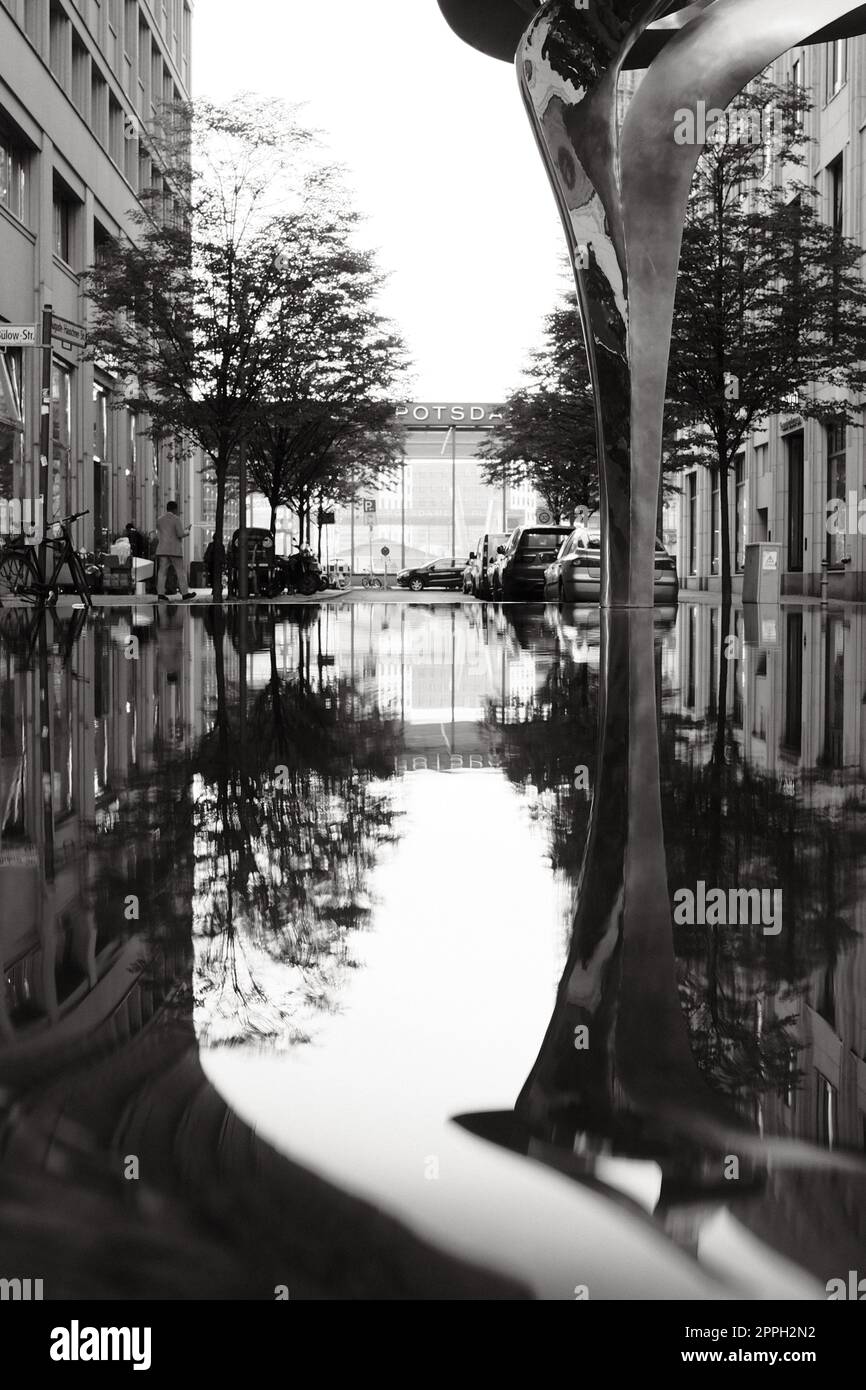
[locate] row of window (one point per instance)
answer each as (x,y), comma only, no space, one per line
(836,544)
(114,492)
(145,76)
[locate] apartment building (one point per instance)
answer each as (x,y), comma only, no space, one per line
(789,472)
(80,81)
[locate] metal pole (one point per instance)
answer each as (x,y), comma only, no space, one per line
(403,520)
(352,533)
(504,499)
(453,493)
(44,481)
(243,569)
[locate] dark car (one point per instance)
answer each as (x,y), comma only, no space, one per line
(575,575)
(519,571)
(436,574)
(477,577)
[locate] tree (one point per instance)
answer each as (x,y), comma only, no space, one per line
(770,302)
(192,315)
(547,436)
(327,428)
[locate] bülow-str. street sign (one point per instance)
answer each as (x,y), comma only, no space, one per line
(17,335)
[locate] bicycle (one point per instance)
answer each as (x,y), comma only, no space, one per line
(21,570)
(371,581)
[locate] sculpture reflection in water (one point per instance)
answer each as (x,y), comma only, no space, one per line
(615,1098)
(622,183)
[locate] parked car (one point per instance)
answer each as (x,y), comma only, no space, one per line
(435,574)
(575,575)
(477,573)
(518,572)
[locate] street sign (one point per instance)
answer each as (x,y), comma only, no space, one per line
(544,518)
(66,331)
(17,335)
(385,550)
(369,504)
(327,518)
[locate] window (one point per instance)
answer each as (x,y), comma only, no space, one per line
(102,241)
(187,42)
(80,74)
(14,163)
(115,131)
(31,20)
(61,429)
(98,106)
(693,522)
(716,535)
(826,1095)
(691,652)
(59,35)
(797,89)
(837,545)
(834,695)
(12,428)
(132,465)
(794,447)
(101,469)
(837,67)
(836,172)
(741,512)
(762,459)
(64,225)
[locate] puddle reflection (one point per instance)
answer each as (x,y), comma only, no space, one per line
(384,893)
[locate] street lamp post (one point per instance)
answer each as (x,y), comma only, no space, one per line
(243,572)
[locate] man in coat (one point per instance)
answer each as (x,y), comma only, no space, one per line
(169,550)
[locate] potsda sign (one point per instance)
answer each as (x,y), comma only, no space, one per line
(428,415)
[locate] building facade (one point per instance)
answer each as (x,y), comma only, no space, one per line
(790,472)
(435,505)
(80,81)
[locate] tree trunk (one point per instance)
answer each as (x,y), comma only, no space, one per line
(273,506)
(725,532)
(219,523)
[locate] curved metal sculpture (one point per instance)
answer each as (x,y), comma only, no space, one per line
(621,183)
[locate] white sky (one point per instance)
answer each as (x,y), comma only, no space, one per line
(440,159)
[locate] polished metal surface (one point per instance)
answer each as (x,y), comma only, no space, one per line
(621,183)
(495,27)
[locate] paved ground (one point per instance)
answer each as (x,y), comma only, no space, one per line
(354,595)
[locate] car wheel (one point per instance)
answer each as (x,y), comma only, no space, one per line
(416,585)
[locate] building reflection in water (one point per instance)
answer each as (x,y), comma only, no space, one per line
(193,805)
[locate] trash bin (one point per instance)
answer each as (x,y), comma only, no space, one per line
(763,573)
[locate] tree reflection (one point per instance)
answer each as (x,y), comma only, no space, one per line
(289,821)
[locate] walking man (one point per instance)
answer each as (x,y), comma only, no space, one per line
(169,550)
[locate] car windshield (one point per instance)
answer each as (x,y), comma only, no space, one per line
(542,540)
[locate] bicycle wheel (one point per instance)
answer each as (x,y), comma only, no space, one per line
(18,576)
